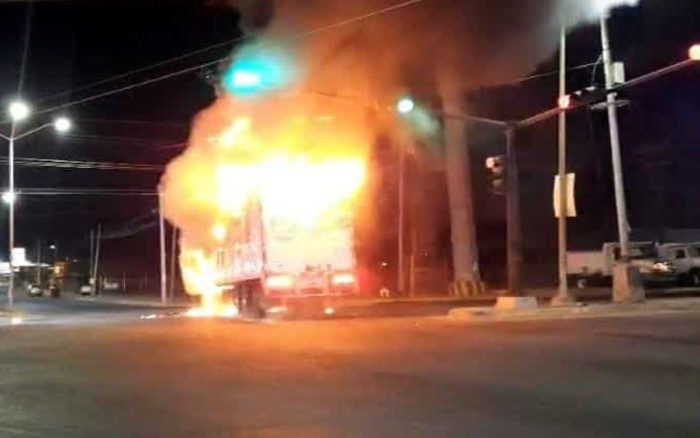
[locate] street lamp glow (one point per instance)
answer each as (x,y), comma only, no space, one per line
(405,105)
(694,52)
(602,7)
(9,197)
(62,124)
(18,111)
(564,102)
(52,247)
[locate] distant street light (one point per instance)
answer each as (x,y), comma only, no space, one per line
(9,197)
(62,124)
(694,52)
(405,105)
(564,101)
(18,111)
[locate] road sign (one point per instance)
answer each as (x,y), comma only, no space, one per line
(570,195)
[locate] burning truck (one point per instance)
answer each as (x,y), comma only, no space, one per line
(275,263)
(266,196)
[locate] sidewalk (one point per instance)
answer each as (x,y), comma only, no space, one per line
(543,295)
(580,311)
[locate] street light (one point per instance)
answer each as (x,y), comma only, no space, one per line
(564,102)
(9,197)
(62,124)
(405,105)
(694,52)
(18,111)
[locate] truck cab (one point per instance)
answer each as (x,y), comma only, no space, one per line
(685,258)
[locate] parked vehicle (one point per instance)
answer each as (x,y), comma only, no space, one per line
(87,289)
(685,258)
(34,290)
(591,268)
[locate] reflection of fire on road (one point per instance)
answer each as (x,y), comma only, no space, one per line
(301,159)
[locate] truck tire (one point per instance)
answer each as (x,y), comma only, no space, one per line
(694,278)
(252,300)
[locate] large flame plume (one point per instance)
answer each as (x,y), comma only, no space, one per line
(302,156)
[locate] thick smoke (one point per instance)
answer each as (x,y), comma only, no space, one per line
(457,44)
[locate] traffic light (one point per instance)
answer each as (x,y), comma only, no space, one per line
(259,69)
(497,168)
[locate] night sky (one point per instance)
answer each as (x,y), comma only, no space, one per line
(73,43)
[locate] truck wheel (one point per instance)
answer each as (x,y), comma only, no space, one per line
(252,305)
(694,278)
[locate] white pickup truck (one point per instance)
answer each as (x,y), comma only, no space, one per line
(685,258)
(592,268)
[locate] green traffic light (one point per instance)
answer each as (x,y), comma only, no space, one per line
(258,69)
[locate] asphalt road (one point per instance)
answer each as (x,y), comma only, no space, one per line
(109,373)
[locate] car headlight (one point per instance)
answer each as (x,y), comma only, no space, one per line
(662,267)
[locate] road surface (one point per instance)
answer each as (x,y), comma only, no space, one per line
(88,370)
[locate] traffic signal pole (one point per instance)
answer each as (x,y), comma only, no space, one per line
(514,228)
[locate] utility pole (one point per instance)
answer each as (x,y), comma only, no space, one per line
(514,238)
(627,285)
(11,227)
(400,283)
(163,273)
(173,261)
(92,255)
(38,263)
(96,263)
(563,296)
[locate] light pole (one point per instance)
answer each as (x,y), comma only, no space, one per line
(563,296)
(54,248)
(19,111)
(405,106)
(627,285)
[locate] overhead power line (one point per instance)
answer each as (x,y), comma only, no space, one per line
(200,66)
(554,72)
(50,191)
(88,165)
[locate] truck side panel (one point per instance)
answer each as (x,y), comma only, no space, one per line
(242,257)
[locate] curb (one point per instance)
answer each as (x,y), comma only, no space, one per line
(133,303)
(490,314)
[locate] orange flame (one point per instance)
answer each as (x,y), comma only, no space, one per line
(304,161)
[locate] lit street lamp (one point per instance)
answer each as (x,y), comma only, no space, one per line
(405,105)
(9,197)
(694,53)
(19,111)
(62,124)
(54,248)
